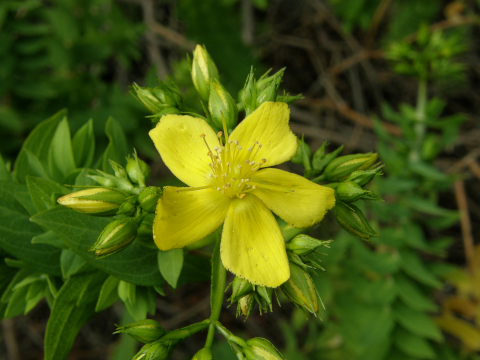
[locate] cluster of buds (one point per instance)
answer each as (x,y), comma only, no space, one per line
(247,295)
(123,194)
(160,343)
(161,100)
(347,175)
(256,92)
(300,288)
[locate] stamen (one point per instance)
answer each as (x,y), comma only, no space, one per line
(202,136)
(220,134)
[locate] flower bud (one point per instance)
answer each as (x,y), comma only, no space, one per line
(222,107)
(203,71)
(265,294)
(301,290)
(240,288)
(203,354)
(289,98)
(149,197)
(119,170)
(340,168)
(159,98)
(267,88)
(158,351)
(352,219)
(138,171)
(115,237)
(363,177)
(303,244)
(94,201)
(348,191)
(320,159)
(129,207)
(249,94)
(245,305)
(261,349)
(145,331)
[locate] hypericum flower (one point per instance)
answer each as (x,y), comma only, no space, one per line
(228,184)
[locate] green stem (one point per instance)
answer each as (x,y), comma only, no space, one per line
(420,115)
(319,178)
(219,277)
(229,336)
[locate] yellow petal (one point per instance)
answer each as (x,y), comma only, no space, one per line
(186,215)
(269,126)
(252,245)
(305,206)
(177,139)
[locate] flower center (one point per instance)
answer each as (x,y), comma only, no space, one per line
(232,166)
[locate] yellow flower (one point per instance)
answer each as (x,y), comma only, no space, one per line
(228,184)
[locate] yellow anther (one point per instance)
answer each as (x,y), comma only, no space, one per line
(220,133)
(203,136)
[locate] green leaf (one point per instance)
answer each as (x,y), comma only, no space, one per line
(17,231)
(36,292)
(38,142)
(67,317)
(427,171)
(127,292)
(83,145)
(44,192)
(60,159)
(411,264)
(413,345)
(79,232)
(170,264)
(140,309)
(28,164)
(70,263)
(5,174)
(23,197)
(17,302)
(417,322)
(411,294)
(429,208)
(108,293)
(49,238)
(117,148)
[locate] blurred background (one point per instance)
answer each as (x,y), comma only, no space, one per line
(368,70)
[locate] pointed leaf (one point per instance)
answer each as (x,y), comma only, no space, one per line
(44,192)
(60,158)
(83,145)
(170,264)
(117,148)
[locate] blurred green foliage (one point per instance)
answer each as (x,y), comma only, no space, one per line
(65,54)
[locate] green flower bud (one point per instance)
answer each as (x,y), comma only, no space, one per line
(340,168)
(115,237)
(158,351)
(267,88)
(249,94)
(203,354)
(265,294)
(203,71)
(352,219)
(348,191)
(301,290)
(149,197)
(261,349)
(119,170)
(94,201)
(159,98)
(303,244)
(222,107)
(363,177)
(245,305)
(138,171)
(129,207)
(145,331)
(320,159)
(289,232)
(240,288)
(302,156)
